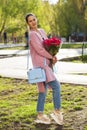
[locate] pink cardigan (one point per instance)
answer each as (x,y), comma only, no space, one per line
(38,54)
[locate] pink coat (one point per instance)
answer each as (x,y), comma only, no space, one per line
(38,54)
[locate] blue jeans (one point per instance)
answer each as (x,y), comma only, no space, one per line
(55,85)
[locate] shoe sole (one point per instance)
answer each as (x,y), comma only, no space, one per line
(56,120)
(42,122)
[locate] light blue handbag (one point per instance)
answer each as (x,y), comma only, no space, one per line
(36,75)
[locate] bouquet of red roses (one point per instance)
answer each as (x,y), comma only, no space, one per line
(52,45)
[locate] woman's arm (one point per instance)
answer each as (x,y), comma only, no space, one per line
(34,41)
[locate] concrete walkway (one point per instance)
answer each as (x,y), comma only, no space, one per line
(67,72)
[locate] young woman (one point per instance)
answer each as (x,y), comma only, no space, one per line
(38,54)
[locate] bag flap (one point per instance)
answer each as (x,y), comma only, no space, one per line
(35,73)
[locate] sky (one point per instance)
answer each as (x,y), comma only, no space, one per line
(53,1)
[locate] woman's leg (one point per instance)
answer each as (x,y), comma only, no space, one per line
(56,115)
(55,85)
(41,118)
(41,100)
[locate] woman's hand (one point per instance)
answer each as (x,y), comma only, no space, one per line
(54,59)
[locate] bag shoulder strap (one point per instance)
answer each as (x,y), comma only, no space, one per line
(28,56)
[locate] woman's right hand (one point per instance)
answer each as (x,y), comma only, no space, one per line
(54,59)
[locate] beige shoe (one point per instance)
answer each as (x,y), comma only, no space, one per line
(43,119)
(58,117)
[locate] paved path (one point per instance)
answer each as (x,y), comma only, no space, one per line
(68,72)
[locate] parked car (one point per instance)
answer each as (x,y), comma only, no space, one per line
(78,37)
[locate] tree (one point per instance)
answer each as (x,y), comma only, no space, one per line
(12,13)
(68,17)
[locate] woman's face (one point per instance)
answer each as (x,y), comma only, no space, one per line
(32,22)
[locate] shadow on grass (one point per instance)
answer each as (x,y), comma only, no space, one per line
(59,128)
(47,127)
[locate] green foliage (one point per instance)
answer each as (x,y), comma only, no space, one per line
(13,14)
(69,17)
(60,19)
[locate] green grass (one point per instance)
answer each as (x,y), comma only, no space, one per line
(73,45)
(14,48)
(18,105)
(78,59)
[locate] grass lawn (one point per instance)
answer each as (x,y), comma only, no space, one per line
(14,48)
(74,45)
(78,59)
(18,106)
